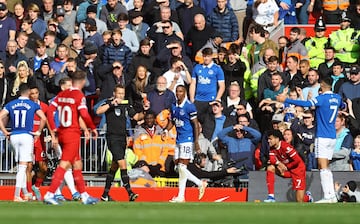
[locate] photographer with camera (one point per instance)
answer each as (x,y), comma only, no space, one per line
(199,162)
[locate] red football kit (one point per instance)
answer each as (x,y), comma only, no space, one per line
(296,169)
(39,145)
(70,104)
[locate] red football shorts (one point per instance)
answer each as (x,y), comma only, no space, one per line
(298,176)
(70,145)
(39,149)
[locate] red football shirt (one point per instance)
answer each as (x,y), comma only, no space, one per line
(286,154)
(44,107)
(70,104)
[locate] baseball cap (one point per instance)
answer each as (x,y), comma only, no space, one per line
(215,102)
(3,6)
(345,17)
(354,69)
(60,12)
(90,48)
(133,14)
(91,8)
(216,34)
(45,62)
(277,118)
(90,21)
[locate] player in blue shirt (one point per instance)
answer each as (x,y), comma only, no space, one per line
(21,112)
(184,117)
(208,82)
(327,105)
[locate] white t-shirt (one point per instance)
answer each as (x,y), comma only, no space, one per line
(264,13)
(170,75)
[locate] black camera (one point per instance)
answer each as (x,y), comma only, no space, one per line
(232,163)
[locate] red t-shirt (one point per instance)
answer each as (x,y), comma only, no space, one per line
(44,107)
(286,154)
(70,104)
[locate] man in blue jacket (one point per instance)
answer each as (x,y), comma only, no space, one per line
(223,20)
(242,145)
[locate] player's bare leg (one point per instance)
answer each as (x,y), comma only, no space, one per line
(300,196)
(40,176)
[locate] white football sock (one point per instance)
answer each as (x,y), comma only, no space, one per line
(20,179)
(84,196)
(69,180)
(182,180)
(192,178)
(327,184)
(330,183)
(49,195)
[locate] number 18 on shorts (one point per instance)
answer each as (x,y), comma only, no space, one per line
(184,150)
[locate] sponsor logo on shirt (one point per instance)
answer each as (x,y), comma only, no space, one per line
(204,80)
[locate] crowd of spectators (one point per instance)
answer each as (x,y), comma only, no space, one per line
(220,50)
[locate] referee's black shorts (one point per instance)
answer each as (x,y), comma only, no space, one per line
(117,146)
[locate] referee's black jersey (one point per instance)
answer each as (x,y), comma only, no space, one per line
(116,118)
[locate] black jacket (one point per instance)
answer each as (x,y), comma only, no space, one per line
(148,61)
(235,72)
(161,39)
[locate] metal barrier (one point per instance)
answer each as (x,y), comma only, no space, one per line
(92,152)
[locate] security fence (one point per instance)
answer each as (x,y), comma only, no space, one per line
(93,153)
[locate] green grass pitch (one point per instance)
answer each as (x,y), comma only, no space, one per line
(167,213)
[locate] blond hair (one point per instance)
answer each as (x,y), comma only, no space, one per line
(141,84)
(18,80)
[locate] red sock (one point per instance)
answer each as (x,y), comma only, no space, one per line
(306,198)
(28,186)
(38,182)
(79,181)
(270,182)
(58,177)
